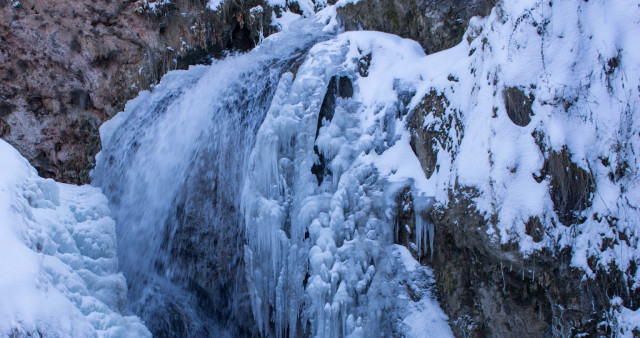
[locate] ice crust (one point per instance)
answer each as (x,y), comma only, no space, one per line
(58,265)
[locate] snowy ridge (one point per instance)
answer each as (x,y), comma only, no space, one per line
(57,258)
(557,57)
(558,64)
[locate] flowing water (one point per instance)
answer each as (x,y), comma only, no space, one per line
(174,172)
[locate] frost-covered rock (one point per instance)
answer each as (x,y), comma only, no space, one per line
(506,162)
(57,258)
(529,140)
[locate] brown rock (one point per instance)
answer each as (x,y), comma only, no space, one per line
(436,25)
(67,66)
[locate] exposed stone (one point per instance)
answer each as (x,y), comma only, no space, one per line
(63,62)
(518,106)
(5,108)
(405,221)
(491,290)
(363,65)
(534,228)
(444,132)
(436,25)
(571,186)
(345,87)
(4,128)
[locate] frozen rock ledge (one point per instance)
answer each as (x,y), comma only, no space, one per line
(58,258)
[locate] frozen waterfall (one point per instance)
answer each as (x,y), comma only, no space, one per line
(257,196)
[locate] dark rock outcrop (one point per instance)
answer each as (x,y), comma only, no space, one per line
(490,290)
(572,187)
(67,66)
(444,132)
(436,25)
(518,106)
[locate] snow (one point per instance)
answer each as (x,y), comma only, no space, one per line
(627,319)
(57,258)
(565,61)
(581,68)
(558,53)
(152,6)
(214,4)
(285,20)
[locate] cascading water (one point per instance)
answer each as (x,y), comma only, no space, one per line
(250,200)
(173,166)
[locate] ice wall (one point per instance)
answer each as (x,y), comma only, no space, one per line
(58,266)
(320,196)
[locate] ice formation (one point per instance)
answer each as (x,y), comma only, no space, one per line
(58,258)
(296,167)
(320,246)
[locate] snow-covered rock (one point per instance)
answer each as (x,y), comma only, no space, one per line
(58,267)
(528,134)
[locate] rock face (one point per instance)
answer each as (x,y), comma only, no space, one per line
(67,66)
(436,25)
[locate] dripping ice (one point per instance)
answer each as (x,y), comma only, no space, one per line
(322,241)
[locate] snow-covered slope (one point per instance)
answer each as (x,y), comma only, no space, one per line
(58,267)
(535,115)
(578,66)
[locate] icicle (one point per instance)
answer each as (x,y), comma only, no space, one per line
(503,282)
(419,233)
(533,275)
(424,231)
(431,236)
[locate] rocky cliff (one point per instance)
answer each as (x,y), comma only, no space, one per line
(67,66)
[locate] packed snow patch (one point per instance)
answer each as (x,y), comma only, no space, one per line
(57,258)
